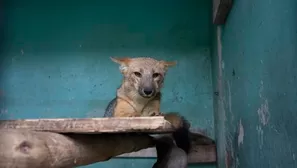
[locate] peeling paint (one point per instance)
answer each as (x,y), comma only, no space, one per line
(273,128)
(260,136)
(230,101)
(261,88)
(240,134)
(263,113)
(256,106)
(223,65)
(237,164)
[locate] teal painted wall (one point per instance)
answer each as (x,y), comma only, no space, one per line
(55,57)
(255,74)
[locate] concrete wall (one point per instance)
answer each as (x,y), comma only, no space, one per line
(55,57)
(254,74)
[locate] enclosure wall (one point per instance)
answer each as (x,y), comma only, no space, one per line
(255,79)
(55,57)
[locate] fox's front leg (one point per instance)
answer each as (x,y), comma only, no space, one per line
(152,109)
(124,109)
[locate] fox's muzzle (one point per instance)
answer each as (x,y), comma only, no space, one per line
(147,92)
(147,88)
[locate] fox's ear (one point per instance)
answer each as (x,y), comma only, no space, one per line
(168,64)
(124,63)
(121,61)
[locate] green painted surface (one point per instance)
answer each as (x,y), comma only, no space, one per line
(255,111)
(55,57)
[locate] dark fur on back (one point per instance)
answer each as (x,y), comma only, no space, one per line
(110,107)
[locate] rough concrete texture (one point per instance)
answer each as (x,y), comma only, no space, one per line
(255,79)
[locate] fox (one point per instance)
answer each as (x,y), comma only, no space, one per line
(139,95)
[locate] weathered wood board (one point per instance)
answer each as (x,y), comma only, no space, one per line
(203,150)
(92,125)
(26,148)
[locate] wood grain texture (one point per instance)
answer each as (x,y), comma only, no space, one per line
(26,149)
(221,9)
(99,136)
(92,125)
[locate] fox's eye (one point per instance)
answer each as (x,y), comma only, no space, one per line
(137,74)
(155,75)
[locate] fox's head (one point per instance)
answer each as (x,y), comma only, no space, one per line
(144,74)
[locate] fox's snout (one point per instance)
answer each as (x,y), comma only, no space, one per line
(146,85)
(147,91)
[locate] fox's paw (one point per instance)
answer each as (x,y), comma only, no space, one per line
(152,114)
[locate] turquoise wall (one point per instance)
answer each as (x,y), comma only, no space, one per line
(55,57)
(255,75)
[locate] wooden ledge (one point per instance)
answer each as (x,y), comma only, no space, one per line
(108,135)
(92,125)
(27,148)
(149,125)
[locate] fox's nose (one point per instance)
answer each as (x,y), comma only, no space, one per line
(148,91)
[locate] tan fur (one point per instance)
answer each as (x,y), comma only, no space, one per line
(139,74)
(174,119)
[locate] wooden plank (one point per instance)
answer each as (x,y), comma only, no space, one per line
(28,149)
(92,125)
(199,154)
(203,146)
(221,10)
